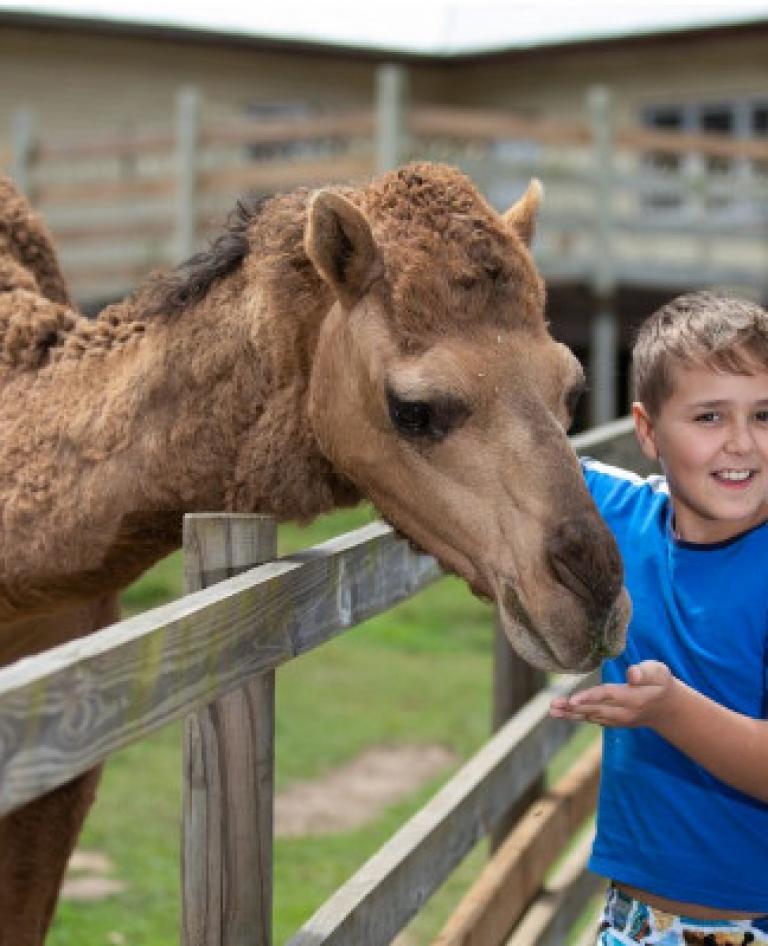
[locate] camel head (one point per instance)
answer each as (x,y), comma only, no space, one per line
(438,391)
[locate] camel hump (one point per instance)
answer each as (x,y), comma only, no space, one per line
(24,240)
(30,326)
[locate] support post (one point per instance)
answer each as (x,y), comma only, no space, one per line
(604,342)
(228,765)
(187,134)
(514,683)
(604,355)
(391,132)
(21,149)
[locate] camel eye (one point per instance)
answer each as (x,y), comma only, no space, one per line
(413,418)
(433,419)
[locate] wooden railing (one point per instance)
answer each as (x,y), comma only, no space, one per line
(615,214)
(213,654)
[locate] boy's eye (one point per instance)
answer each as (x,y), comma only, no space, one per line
(707,417)
(762,417)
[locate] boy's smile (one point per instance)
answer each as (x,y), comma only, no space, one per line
(711,438)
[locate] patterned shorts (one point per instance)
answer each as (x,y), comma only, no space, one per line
(627,922)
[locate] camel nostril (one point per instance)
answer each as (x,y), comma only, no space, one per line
(585,559)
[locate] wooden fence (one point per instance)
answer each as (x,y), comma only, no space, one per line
(211,656)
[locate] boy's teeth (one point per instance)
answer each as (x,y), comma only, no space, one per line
(738,475)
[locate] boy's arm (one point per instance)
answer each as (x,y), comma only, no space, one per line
(733,747)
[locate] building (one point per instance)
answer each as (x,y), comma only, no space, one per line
(630,218)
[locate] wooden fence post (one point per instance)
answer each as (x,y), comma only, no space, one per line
(391,92)
(228,765)
(187,134)
(514,683)
(604,336)
(21,149)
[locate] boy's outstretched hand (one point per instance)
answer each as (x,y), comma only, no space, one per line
(640,701)
(730,745)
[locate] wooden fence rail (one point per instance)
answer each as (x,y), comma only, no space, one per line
(213,654)
(67,709)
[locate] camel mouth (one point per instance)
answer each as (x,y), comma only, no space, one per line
(528,642)
(611,638)
(604,639)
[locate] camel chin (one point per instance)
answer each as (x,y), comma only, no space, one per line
(571,641)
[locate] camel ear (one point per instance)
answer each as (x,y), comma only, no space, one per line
(521,217)
(340,244)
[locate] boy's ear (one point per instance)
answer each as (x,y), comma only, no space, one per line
(646,435)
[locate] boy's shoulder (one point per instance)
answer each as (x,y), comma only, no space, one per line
(613,487)
(599,472)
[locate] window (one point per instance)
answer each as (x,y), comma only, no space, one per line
(288,147)
(744,119)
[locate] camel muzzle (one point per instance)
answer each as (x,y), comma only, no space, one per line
(584,557)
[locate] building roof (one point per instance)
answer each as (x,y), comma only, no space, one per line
(430,28)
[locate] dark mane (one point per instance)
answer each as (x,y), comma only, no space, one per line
(188,283)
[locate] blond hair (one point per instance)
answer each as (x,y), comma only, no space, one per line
(700,329)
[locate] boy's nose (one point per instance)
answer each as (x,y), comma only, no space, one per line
(740,439)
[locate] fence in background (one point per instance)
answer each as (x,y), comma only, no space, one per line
(625,207)
(213,654)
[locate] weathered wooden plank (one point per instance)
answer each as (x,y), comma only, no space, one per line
(603,437)
(514,683)
(228,819)
(229,762)
(282,175)
(150,229)
(22,148)
(549,920)
(708,143)
(642,272)
(349,124)
(742,226)
(614,443)
(187,147)
(391,107)
(492,125)
(108,282)
(63,711)
(509,881)
(105,146)
(377,902)
(89,192)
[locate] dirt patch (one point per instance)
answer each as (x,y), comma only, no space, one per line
(346,798)
(89,877)
(354,794)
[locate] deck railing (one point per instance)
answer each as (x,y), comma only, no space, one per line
(625,205)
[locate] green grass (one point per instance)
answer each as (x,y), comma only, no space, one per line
(418,674)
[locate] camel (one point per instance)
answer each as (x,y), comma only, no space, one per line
(384,341)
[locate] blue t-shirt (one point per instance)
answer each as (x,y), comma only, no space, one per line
(664,823)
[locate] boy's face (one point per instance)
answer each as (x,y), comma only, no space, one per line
(711,439)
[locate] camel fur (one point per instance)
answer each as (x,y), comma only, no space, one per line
(385,341)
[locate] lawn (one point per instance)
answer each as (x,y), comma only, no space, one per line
(419,674)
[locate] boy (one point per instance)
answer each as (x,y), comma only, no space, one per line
(682,828)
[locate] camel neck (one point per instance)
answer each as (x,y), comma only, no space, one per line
(132,423)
